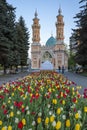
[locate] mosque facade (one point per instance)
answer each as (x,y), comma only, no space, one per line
(54,49)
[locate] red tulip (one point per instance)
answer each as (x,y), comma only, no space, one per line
(20,125)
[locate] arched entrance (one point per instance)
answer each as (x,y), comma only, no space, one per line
(46,57)
(47,60)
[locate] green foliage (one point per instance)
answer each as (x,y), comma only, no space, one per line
(7,25)
(81,34)
(22,41)
(71,61)
(1,68)
(14,38)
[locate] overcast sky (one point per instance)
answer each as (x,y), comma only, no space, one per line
(47,11)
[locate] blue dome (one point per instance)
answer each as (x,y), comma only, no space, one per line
(51,41)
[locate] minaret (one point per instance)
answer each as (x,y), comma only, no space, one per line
(60,26)
(35,46)
(36,29)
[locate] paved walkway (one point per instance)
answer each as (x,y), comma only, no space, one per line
(12,77)
(78,79)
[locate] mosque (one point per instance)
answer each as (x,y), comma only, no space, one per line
(53,53)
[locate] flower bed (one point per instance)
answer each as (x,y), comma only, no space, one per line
(42,101)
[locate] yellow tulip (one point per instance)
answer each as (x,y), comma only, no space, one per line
(63,102)
(11,114)
(58,125)
(46,120)
(39,120)
(67,123)
(9,127)
(0,122)
(9,101)
(77,115)
(58,111)
(24,121)
(12,94)
(61,94)
(49,90)
(51,118)
(85,109)
(77,127)
(22,106)
(54,101)
(4,128)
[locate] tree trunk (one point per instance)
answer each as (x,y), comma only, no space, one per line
(4,69)
(16,68)
(21,68)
